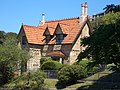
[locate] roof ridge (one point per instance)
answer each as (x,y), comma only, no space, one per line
(62,19)
(28,25)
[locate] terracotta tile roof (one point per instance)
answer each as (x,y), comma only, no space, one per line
(71,27)
(56,54)
(34,34)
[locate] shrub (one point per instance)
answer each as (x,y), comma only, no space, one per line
(63,65)
(6,73)
(85,64)
(51,65)
(70,74)
(45,59)
(31,80)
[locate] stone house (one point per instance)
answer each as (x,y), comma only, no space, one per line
(58,39)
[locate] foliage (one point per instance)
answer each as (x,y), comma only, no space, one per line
(2,36)
(31,80)
(6,73)
(84,63)
(63,65)
(103,45)
(44,59)
(10,56)
(51,65)
(112,8)
(96,23)
(10,35)
(110,18)
(108,9)
(70,74)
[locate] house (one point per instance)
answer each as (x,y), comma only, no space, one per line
(58,39)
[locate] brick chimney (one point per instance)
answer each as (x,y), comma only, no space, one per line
(84,11)
(42,22)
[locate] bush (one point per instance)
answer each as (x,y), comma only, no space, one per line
(63,65)
(31,80)
(6,73)
(45,59)
(70,74)
(51,65)
(85,64)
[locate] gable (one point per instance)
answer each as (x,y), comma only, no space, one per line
(22,39)
(83,32)
(47,32)
(58,30)
(20,34)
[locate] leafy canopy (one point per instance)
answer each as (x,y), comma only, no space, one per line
(103,45)
(10,56)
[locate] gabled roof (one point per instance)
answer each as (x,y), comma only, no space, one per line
(71,27)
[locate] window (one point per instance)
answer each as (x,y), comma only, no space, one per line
(59,38)
(23,40)
(48,37)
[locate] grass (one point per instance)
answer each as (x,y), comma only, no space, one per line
(82,84)
(98,75)
(51,83)
(79,85)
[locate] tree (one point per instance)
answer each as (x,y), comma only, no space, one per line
(11,35)
(2,36)
(10,56)
(112,8)
(103,45)
(109,8)
(96,22)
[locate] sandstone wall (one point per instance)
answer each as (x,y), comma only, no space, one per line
(77,48)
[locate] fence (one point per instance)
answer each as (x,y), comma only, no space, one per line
(51,73)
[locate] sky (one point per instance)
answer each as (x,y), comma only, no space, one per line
(14,13)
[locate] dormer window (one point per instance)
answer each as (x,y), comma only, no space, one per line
(48,38)
(59,38)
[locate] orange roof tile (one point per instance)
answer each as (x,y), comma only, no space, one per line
(71,27)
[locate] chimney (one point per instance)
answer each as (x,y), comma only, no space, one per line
(84,11)
(42,22)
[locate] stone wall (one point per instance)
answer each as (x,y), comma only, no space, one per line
(34,62)
(77,48)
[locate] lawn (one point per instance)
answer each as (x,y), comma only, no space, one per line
(91,82)
(50,83)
